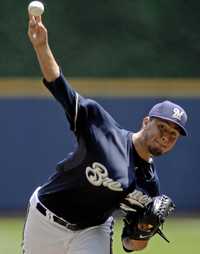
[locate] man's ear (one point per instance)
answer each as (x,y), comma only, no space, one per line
(145,122)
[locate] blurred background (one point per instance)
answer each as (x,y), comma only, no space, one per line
(128,55)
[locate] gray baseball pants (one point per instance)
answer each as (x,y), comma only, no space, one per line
(44,236)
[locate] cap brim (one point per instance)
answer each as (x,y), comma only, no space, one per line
(183,131)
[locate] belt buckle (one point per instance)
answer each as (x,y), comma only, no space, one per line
(64,223)
(55,219)
(71,226)
(67,225)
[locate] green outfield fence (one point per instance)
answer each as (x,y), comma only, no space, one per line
(107,38)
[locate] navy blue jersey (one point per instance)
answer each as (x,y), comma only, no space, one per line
(92,181)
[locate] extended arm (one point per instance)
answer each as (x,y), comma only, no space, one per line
(53,79)
(39,38)
(77,108)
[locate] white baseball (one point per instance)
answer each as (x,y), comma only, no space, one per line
(36,8)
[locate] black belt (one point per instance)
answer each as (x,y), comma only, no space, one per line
(56,219)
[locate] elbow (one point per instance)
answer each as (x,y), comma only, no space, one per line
(139,244)
(134,245)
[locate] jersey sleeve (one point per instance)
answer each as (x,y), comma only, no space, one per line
(66,96)
(80,111)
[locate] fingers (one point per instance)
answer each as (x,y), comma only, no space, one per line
(35,24)
(32,27)
(32,22)
(145,227)
(37,32)
(38,19)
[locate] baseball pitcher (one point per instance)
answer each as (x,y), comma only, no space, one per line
(111,168)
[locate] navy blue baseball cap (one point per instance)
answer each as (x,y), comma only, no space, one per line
(172,112)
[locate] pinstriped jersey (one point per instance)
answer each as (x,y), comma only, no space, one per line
(89,184)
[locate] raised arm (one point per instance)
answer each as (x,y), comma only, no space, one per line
(38,36)
(77,108)
(53,79)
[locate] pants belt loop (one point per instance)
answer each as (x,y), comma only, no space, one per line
(55,219)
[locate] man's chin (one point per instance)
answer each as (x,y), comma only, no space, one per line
(155,151)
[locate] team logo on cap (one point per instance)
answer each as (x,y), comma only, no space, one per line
(178,113)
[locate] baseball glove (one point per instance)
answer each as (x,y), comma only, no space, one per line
(142,222)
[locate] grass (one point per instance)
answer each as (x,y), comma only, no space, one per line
(11,235)
(183,233)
